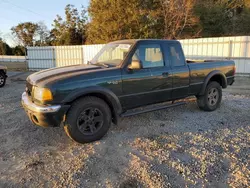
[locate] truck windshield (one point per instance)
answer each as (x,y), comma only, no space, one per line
(111,55)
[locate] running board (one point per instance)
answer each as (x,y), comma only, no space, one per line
(155,108)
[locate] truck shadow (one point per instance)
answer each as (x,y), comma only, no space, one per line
(176,147)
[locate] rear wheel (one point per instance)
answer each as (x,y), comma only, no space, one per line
(2,79)
(211,100)
(88,120)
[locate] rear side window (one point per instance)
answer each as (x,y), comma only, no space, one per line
(176,55)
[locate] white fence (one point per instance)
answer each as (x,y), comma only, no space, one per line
(89,51)
(10,58)
(235,48)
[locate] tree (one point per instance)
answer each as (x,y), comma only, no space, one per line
(5,49)
(247,3)
(212,18)
(26,32)
(18,50)
(42,35)
(223,17)
(178,18)
(119,19)
(239,16)
(242,26)
(70,31)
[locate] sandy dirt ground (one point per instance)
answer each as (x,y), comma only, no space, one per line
(177,147)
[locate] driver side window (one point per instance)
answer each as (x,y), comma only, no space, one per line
(149,55)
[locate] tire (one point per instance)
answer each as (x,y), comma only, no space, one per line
(2,79)
(88,120)
(211,100)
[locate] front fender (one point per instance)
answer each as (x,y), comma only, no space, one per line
(110,97)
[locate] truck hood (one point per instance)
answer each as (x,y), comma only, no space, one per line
(55,73)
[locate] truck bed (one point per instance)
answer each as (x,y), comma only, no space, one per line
(202,61)
(199,71)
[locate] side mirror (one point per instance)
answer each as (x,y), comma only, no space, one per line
(135,65)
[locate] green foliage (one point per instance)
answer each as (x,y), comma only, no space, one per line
(223,17)
(242,23)
(118,19)
(70,31)
(110,20)
(5,49)
(18,50)
(212,18)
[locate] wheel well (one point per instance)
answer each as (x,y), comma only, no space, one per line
(218,78)
(3,73)
(103,97)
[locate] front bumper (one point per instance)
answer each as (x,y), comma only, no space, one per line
(45,116)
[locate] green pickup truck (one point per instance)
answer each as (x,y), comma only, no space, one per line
(123,76)
(3,75)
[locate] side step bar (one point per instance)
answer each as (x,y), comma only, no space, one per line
(136,112)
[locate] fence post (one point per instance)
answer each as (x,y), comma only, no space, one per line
(82,54)
(27,58)
(245,54)
(246,48)
(230,49)
(53,56)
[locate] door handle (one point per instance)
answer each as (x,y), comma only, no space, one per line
(165,74)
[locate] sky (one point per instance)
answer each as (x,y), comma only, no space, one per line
(13,12)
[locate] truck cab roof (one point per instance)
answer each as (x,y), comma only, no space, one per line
(132,41)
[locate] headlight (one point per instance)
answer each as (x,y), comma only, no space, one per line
(42,94)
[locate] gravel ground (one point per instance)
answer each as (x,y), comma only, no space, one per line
(177,147)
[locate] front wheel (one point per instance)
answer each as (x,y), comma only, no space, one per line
(211,100)
(88,120)
(2,79)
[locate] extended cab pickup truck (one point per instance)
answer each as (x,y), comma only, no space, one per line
(3,75)
(124,75)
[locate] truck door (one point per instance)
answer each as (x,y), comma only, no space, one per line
(180,71)
(150,84)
